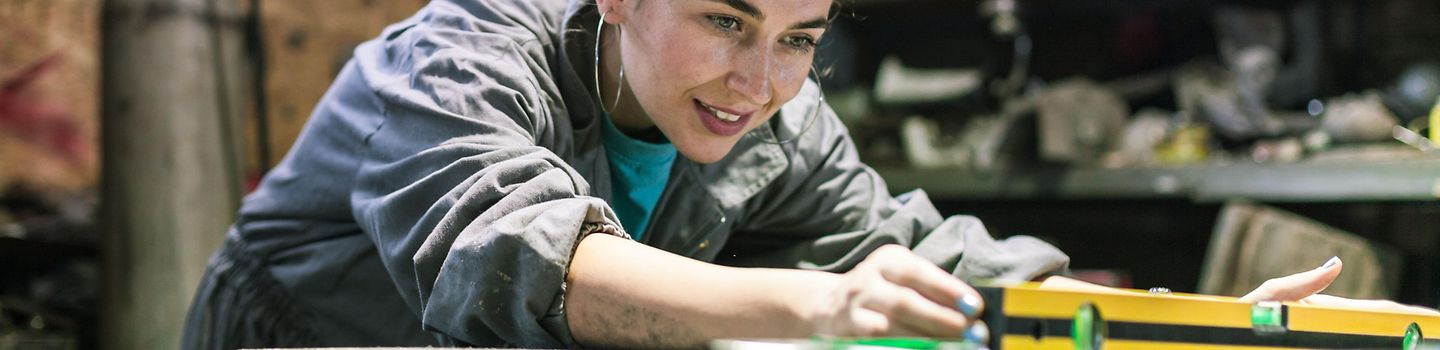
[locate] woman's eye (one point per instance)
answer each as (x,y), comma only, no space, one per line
(800,42)
(726,22)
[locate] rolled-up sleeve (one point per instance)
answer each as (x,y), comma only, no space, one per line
(829,211)
(474,221)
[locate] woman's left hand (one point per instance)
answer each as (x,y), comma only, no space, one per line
(1305,287)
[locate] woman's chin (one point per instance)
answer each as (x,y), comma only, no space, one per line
(705,153)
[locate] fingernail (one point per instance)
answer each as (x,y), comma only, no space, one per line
(978,333)
(1328,263)
(969,305)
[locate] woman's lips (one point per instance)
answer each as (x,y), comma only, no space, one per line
(721,122)
(722,114)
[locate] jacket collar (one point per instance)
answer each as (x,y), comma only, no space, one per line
(751,165)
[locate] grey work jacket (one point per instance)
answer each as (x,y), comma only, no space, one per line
(444,180)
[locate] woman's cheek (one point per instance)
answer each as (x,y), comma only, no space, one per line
(791,79)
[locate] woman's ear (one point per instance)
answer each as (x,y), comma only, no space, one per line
(616,11)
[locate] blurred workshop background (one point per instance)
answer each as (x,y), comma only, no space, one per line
(1198,145)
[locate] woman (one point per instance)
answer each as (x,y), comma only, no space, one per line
(513,172)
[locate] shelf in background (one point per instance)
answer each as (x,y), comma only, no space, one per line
(1410,180)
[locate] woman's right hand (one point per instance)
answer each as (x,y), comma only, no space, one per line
(895,293)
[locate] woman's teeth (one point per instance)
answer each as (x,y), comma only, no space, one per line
(721,114)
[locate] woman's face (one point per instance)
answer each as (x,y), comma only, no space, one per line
(705,72)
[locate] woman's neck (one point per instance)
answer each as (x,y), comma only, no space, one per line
(627,115)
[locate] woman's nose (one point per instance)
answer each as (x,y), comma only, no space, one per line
(751,75)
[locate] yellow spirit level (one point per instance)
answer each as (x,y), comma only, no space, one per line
(1024,316)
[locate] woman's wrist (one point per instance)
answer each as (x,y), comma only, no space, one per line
(783,303)
(808,301)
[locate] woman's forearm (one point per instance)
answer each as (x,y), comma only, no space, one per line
(625,294)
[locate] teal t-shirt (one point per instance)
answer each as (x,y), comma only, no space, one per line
(639,171)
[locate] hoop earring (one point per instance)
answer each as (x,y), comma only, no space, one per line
(819,104)
(620,84)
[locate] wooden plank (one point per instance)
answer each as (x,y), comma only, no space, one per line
(306,44)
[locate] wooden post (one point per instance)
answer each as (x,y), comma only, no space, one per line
(170,183)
